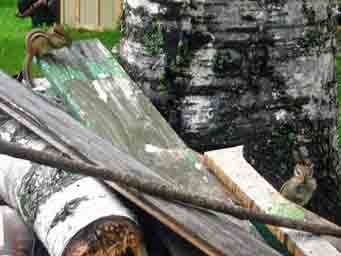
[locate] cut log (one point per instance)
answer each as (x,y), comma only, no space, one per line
(254,192)
(72,215)
(15,238)
(214,234)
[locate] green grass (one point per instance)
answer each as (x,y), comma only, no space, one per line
(12,37)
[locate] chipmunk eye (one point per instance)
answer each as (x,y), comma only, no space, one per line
(300,189)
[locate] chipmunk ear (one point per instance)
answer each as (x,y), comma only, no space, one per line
(298,170)
(310,168)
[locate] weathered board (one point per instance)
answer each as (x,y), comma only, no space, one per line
(254,192)
(212,233)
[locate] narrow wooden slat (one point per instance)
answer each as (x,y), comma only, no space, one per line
(118,11)
(62,11)
(214,234)
(253,191)
(78,12)
(99,6)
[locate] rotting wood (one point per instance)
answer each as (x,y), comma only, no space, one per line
(15,237)
(254,192)
(165,191)
(72,215)
(214,234)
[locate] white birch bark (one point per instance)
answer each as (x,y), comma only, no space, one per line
(56,204)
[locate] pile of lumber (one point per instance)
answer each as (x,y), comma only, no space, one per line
(106,121)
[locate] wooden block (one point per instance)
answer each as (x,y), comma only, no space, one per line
(255,192)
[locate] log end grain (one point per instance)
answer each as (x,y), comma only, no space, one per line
(114,236)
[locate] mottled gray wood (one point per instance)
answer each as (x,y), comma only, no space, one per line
(214,234)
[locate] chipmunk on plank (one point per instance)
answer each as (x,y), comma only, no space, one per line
(300,188)
(38,43)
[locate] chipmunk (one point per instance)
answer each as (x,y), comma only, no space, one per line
(39,42)
(300,188)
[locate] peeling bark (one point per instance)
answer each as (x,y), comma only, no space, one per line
(71,214)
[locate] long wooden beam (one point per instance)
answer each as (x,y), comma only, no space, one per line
(254,192)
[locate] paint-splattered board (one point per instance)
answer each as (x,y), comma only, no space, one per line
(254,192)
(214,234)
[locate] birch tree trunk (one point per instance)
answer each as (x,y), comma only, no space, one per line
(259,73)
(71,214)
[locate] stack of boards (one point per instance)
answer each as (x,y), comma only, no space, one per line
(114,125)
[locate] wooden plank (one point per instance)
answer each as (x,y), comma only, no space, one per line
(78,12)
(240,178)
(118,11)
(98,6)
(62,11)
(89,14)
(213,233)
